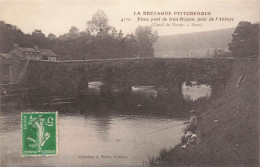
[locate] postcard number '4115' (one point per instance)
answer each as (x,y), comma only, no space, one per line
(125,19)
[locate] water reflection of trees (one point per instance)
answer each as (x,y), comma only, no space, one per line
(102,126)
(96,110)
(164,103)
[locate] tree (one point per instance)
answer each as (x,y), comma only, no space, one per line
(221,53)
(73,32)
(145,38)
(9,35)
(130,46)
(38,33)
(51,36)
(73,45)
(245,40)
(39,39)
(98,26)
(120,34)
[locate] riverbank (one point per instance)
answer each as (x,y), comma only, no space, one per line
(228,126)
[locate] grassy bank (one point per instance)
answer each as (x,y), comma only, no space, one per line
(228,126)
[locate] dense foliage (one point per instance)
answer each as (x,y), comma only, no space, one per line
(221,53)
(145,38)
(245,40)
(98,41)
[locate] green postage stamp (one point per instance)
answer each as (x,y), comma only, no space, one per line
(39,134)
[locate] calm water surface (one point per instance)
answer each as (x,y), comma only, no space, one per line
(93,140)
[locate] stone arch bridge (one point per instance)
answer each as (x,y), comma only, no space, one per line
(68,77)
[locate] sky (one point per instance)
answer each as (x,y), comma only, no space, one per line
(58,16)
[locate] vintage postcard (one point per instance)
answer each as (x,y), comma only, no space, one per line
(129,83)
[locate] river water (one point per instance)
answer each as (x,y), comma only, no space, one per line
(87,139)
(93,135)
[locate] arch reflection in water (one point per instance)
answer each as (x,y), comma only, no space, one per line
(195,91)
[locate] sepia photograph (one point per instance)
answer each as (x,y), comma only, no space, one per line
(129,83)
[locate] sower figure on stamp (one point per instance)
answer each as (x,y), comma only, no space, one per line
(192,122)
